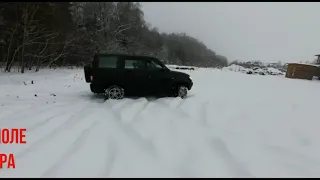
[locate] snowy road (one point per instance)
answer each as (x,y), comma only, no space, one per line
(232,125)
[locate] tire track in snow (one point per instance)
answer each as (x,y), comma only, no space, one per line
(42,157)
(293,162)
(220,148)
(38,124)
(173,109)
(203,113)
(169,102)
(138,113)
(97,152)
(129,132)
(84,112)
(118,109)
(7,110)
(45,121)
(136,137)
(117,104)
(109,159)
(125,105)
(27,113)
(182,102)
(75,146)
(187,160)
(137,106)
(30,131)
(130,142)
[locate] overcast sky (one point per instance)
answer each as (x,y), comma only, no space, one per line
(266,31)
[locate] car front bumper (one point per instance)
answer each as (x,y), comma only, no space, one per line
(190,84)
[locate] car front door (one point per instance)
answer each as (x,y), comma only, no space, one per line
(136,76)
(159,77)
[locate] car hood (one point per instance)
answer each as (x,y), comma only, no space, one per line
(181,74)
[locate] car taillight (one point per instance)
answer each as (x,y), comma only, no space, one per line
(91,78)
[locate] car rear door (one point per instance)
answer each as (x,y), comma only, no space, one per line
(107,70)
(136,76)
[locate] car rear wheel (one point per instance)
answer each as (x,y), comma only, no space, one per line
(114,92)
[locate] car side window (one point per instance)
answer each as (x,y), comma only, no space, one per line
(108,61)
(134,64)
(153,65)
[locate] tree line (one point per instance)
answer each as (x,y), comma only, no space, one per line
(34,35)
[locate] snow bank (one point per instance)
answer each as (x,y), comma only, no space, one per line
(255,70)
(274,70)
(234,68)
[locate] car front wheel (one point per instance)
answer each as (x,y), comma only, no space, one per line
(181,91)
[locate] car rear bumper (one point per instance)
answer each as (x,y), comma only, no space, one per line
(96,88)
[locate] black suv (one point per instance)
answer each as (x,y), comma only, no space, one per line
(118,75)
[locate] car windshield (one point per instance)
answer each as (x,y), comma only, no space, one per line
(154,65)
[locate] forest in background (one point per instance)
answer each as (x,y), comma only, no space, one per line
(35,35)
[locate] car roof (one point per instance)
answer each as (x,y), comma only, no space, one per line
(123,55)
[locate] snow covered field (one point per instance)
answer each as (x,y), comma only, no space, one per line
(232,125)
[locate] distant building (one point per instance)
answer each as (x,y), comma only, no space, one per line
(318,59)
(302,71)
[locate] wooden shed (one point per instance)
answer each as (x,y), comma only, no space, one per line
(302,71)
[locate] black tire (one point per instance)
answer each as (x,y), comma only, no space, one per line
(180,91)
(114,92)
